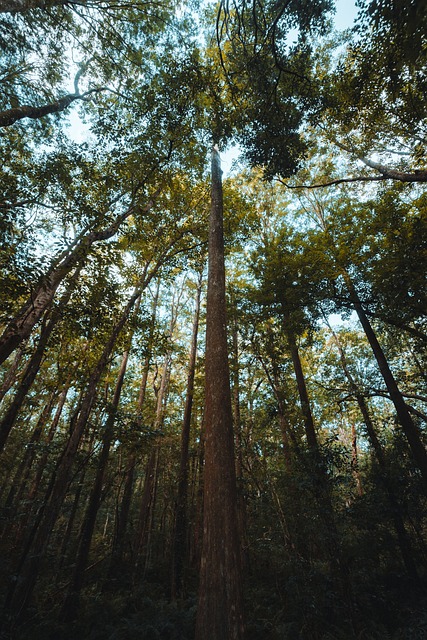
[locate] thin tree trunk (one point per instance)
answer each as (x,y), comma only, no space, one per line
(235,401)
(52,430)
(20,593)
(321,486)
(30,313)
(355,460)
(143,537)
(33,366)
(180,533)
(396,511)
(71,605)
(411,432)
(285,430)
(22,473)
(220,607)
(310,431)
(11,375)
(122,517)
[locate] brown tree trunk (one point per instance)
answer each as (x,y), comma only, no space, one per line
(180,532)
(22,473)
(71,605)
(396,511)
(11,374)
(143,535)
(220,608)
(411,432)
(42,462)
(30,313)
(310,431)
(33,366)
(29,566)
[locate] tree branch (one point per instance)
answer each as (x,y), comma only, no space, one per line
(10,116)
(332,182)
(386,173)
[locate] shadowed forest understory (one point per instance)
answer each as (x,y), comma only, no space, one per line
(213,391)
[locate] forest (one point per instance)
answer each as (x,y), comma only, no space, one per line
(213,320)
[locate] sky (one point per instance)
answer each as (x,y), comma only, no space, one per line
(346,13)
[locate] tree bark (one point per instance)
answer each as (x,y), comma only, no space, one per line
(179,539)
(29,566)
(411,432)
(72,601)
(30,313)
(33,365)
(220,608)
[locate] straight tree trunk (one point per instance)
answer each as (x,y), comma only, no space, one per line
(321,486)
(11,374)
(180,532)
(355,460)
(52,430)
(29,567)
(21,476)
(411,432)
(116,567)
(237,424)
(285,430)
(310,431)
(71,605)
(220,607)
(396,510)
(143,536)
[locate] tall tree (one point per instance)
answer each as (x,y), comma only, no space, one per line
(220,606)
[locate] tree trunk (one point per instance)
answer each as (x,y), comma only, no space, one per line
(310,431)
(220,608)
(235,401)
(180,533)
(143,535)
(33,366)
(29,567)
(355,460)
(321,484)
(396,511)
(20,479)
(71,605)
(412,434)
(11,375)
(116,568)
(30,313)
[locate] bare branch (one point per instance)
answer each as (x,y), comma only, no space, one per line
(332,182)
